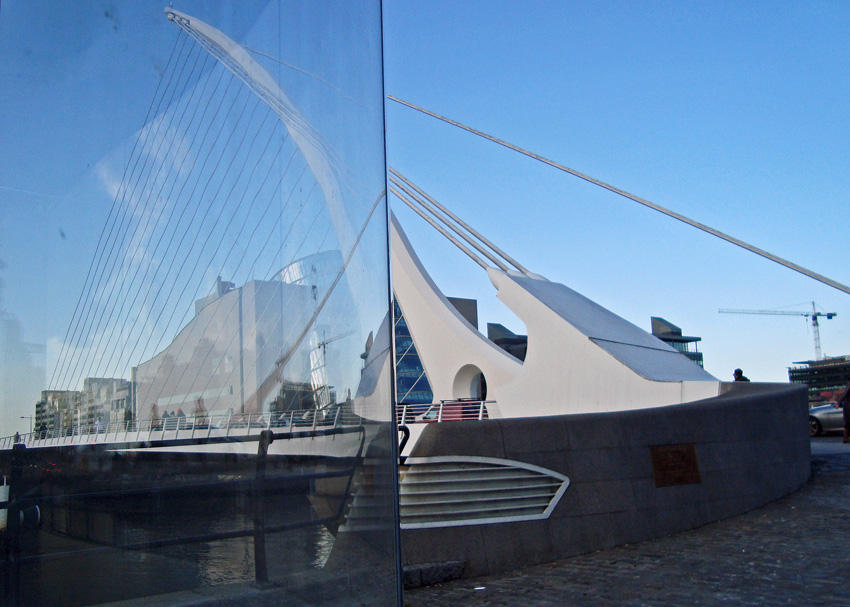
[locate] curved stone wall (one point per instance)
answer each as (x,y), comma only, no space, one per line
(634,475)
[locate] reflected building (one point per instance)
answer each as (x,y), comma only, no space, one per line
(97,399)
(58,412)
(211,161)
(227,359)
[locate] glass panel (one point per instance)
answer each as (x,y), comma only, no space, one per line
(194,307)
(412,386)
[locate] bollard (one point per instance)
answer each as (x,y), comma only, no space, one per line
(261,570)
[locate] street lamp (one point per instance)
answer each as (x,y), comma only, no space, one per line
(29,417)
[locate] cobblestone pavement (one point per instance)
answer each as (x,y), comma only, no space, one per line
(795,551)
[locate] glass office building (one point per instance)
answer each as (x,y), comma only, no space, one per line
(196,374)
(412,385)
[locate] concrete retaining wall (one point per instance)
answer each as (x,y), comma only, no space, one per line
(751,446)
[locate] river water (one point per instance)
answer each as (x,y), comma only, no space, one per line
(89,548)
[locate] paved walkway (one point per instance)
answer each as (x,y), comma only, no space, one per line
(795,551)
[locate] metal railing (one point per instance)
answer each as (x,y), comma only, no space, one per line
(193,427)
(445,411)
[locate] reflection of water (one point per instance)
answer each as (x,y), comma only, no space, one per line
(119,574)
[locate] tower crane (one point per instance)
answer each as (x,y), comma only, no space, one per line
(814,315)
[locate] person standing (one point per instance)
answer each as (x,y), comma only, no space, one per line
(739,375)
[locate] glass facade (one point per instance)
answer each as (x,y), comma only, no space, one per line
(194,305)
(412,386)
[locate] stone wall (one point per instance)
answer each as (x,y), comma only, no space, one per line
(751,445)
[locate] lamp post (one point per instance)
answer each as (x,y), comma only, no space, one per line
(29,417)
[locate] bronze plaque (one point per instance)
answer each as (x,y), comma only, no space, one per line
(675,465)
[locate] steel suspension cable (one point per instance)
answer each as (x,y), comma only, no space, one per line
(414,196)
(99,309)
(186,231)
(753,249)
(140,250)
(187,256)
(60,372)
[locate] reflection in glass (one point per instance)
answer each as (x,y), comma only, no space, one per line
(195,307)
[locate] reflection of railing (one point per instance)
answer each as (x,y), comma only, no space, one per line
(257,487)
(195,427)
(445,411)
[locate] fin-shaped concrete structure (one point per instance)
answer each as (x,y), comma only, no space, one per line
(581,357)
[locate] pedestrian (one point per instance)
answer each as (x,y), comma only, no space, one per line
(844,402)
(739,375)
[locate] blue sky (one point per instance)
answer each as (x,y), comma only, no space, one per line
(78,80)
(734,114)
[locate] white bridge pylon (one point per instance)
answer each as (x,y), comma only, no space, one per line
(580,356)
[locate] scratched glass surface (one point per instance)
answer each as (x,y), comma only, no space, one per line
(194,304)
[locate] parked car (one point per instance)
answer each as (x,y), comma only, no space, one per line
(826,418)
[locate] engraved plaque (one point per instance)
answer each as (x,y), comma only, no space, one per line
(675,465)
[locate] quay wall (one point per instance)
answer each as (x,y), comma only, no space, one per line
(751,445)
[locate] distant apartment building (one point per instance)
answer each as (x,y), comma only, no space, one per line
(58,412)
(672,335)
(102,399)
(97,400)
(121,406)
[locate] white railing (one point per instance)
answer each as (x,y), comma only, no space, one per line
(196,427)
(445,411)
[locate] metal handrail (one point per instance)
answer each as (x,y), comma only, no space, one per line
(191,427)
(445,410)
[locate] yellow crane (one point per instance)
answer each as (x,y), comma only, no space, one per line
(814,315)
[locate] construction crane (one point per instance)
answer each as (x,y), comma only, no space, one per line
(814,315)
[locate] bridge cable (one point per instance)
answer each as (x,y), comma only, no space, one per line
(141,250)
(395,176)
(99,309)
(651,205)
(91,286)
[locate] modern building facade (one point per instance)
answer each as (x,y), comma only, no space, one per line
(99,406)
(226,359)
(412,386)
(823,378)
(58,411)
(671,334)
